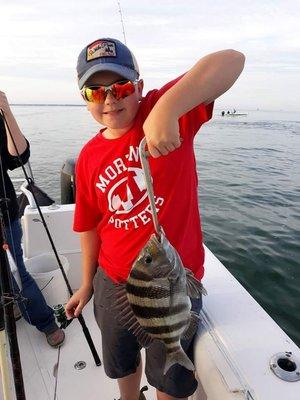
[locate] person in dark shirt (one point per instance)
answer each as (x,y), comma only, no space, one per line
(32,305)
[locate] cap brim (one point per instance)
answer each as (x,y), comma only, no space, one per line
(118,69)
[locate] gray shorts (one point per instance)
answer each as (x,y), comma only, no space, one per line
(121,350)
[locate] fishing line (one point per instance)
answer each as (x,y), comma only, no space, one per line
(30,182)
(48,283)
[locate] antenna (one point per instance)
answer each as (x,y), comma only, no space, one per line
(122,22)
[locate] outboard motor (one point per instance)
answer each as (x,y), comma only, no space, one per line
(67,182)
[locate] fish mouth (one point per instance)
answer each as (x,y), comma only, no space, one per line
(153,245)
(154,240)
(160,244)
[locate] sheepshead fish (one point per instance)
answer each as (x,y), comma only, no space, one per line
(155,304)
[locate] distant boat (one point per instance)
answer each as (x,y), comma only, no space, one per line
(232,114)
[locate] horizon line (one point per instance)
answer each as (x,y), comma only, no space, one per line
(83,105)
(47,104)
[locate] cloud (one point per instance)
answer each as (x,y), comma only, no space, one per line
(41,41)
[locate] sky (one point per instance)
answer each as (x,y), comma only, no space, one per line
(41,40)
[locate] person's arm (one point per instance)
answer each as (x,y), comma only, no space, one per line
(210,77)
(19,139)
(90,243)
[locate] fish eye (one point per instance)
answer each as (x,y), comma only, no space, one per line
(148,259)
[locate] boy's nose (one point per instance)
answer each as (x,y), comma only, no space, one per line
(110,98)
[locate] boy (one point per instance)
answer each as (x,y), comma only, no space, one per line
(112,209)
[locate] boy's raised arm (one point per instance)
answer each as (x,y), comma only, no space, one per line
(208,79)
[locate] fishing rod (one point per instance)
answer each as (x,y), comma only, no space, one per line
(122,21)
(8,299)
(4,367)
(30,184)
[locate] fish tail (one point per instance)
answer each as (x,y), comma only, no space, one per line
(178,357)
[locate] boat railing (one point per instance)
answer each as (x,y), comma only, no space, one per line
(17,178)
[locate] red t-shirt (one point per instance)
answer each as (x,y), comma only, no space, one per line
(111,193)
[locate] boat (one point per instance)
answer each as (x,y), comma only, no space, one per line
(232,114)
(240,351)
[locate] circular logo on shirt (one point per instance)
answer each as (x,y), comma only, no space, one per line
(128,192)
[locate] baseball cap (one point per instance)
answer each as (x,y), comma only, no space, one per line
(106,54)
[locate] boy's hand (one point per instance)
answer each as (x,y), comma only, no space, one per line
(162,133)
(78,301)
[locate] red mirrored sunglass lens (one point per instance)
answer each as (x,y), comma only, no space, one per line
(119,90)
(94,95)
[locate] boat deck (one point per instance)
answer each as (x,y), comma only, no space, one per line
(39,363)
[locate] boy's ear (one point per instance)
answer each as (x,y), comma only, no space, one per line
(140,87)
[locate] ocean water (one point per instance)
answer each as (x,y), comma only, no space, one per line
(249,193)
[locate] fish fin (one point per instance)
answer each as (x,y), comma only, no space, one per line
(192,327)
(194,287)
(127,318)
(120,300)
(178,357)
(142,336)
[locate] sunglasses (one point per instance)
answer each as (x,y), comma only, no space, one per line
(97,93)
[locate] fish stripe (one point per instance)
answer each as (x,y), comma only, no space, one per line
(158,330)
(148,302)
(153,292)
(173,349)
(164,320)
(157,312)
(162,336)
(139,275)
(139,283)
(170,340)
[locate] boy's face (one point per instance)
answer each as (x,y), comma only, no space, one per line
(114,114)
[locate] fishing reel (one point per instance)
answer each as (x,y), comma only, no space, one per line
(60,315)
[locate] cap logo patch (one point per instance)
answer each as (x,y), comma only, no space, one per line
(101,48)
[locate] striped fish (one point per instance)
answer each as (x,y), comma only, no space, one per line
(155,302)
